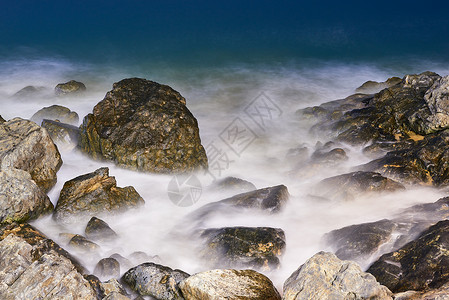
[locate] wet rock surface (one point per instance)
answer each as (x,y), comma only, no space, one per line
(228,284)
(146,126)
(247,247)
(72,87)
(94,193)
(56,112)
(33,266)
(419,265)
(360,242)
(20,198)
(80,244)
(371,87)
(349,186)
(26,146)
(150,279)
(324,276)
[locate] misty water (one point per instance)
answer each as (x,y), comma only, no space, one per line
(218,97)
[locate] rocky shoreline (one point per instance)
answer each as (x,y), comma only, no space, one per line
(401,124)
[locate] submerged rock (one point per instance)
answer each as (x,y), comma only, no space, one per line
(150,279)
(228,284)
(419,265)
(98,229)
(270,200)
(361,242)
(249,247)
(233,184)
(349,186)
(357,242)
(31,91)
(64,135)
(20,198)
(93,193)
(146,126)
(107,268)
(70,87)
(324,276)
(34,267)
(56,112)
(26,146)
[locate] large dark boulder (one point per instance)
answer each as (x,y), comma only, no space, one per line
(150,279)
(228,284)
(26,146)
(34,267)
(146,126)
(56,112)
(20,198)
(419,265)
(324,276)
(94,193)
(248,247)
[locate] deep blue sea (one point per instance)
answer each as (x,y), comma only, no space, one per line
(221,56)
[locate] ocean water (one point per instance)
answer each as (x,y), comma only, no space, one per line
(221,58)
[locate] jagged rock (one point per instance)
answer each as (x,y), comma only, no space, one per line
(371,87)
(228,284)
(146,126)
(94,193)
(64,135)
(270,200)
(324,276)
(419,265)
(437,99)
(107,268)
(20,198)
(81,244)
(249,247)
(115,289)
(396,113)
(56,112)
(26,146)
(70,87)
(98,229)
(349,186)
(34,267)
(425,163)
(155,280)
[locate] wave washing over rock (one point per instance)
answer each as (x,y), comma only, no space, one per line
(240,186)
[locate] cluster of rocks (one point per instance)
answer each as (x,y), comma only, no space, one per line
(146,126)
(402,125)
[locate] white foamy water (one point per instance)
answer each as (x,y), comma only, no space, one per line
(217,98)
